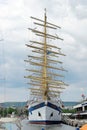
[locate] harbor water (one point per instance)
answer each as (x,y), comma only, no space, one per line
(26,126)
(59,127)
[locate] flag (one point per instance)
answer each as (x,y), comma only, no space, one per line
(83,96)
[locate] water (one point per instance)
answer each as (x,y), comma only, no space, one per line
(59,127)
(27,126)
(10,126)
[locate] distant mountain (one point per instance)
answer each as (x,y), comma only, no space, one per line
(22,104)
(68,103)
(10,104)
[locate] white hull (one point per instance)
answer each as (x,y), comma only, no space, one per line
(44,113)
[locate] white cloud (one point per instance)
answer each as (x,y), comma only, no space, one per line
(74,92)
(12,94)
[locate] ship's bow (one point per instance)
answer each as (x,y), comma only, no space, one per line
(46,113)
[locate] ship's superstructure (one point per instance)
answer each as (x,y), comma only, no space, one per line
(45,73)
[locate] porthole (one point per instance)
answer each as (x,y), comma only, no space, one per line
(39,114)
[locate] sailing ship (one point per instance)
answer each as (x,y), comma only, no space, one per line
(44,73)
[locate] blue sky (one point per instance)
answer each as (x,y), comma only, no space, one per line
(71,15)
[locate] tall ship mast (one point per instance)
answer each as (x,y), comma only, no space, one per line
(45,73)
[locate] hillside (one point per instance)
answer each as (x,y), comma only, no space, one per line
(22,104)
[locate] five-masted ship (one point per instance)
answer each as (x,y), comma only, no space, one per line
(45,75)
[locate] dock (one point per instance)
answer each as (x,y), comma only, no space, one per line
(16,121)
(73,122)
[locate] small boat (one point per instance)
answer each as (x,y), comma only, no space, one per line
(45,73)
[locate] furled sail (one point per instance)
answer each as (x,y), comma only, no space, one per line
(46,71)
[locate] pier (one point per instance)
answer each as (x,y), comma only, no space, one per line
(73,122)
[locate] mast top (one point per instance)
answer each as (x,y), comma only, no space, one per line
(45,17)
(45,11)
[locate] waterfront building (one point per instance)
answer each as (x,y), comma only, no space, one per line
(81,110)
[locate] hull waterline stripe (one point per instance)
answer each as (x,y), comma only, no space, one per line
(47,122)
